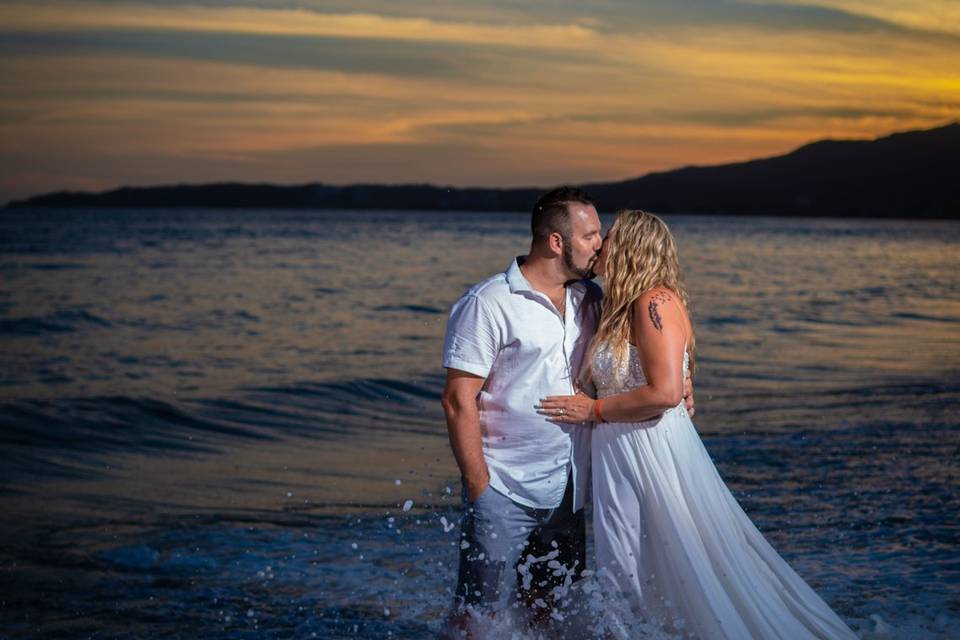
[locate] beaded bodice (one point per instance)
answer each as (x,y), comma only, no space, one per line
(611,379)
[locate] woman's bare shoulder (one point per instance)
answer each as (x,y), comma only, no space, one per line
(657,306)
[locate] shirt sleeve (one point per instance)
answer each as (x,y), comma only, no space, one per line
(472,341)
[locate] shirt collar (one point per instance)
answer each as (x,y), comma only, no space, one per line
(515,277)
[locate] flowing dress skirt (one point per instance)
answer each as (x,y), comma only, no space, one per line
(679,550)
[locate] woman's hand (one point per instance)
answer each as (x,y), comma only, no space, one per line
(578,408)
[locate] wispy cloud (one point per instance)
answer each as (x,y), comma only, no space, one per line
(292,22)
(930,16)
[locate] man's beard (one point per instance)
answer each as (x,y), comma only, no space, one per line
(583,273)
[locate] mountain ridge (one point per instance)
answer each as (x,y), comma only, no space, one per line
(903,174)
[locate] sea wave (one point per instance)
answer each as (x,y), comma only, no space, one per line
(59,322)
(91,429)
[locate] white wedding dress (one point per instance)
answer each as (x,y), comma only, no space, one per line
(674,544)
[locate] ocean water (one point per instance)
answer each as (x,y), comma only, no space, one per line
(225,424)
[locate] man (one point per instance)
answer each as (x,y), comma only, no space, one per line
(512,340)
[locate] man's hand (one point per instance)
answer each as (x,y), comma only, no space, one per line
(476,487)
(688,395)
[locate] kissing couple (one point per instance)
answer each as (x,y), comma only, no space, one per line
(553,384)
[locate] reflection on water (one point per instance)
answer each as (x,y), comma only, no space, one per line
(200,303)
(202,412)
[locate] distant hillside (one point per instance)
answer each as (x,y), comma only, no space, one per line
(915,174)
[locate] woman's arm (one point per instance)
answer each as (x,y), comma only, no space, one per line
(660,332)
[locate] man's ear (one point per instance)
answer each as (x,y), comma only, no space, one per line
(555,242)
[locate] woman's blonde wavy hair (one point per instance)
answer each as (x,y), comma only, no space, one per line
(641,254)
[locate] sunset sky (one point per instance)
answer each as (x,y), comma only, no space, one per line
(502,93)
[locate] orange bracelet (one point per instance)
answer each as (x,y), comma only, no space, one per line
(596,411)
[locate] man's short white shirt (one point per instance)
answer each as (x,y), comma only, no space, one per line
(512,335)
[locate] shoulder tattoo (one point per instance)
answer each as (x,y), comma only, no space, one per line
(653,309)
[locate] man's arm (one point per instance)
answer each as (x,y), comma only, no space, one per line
(463,426)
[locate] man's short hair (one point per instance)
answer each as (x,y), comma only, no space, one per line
(551,214)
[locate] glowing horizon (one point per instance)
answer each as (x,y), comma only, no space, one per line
(103,94)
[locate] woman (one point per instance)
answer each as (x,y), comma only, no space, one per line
(670,537)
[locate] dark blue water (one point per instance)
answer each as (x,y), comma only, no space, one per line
(211,420)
